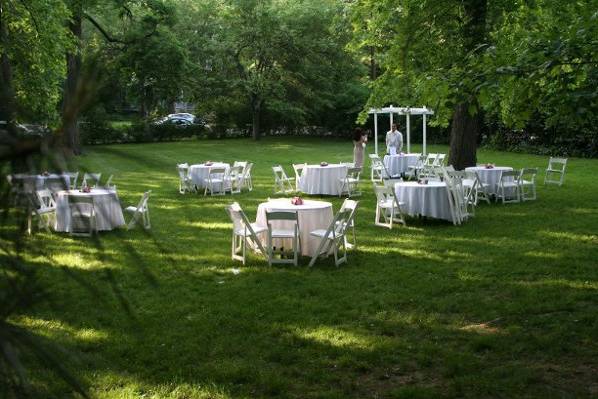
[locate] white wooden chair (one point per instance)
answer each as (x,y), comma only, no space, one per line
(282,183)
(293,234)
(43,207)
(216,181)
(556,167)
(509,183)
(472,181)
(453,200)
(388,207)
(91,180)
(246,179)
(350,183)
(82,209)
(352,206)
(108,185)
(298,168)
(333,237)
(377,168)
(73,177)
(185,183)
(242,164)
(244,234)
(234,181)
(527,181)
(141,211)
(413,170)
(439,160)
(463,198)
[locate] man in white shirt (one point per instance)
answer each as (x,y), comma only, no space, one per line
(394,139)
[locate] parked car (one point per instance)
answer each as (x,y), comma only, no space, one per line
(181,119)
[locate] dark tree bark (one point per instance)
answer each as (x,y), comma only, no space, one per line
(466,125)
(465,130)
(256,109)
(7,95)
(71,103)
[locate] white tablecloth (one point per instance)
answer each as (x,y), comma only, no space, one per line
(430,200)
(109,214)
(313,215)
(199,173)
(397,164)
(325,180)
(490,176)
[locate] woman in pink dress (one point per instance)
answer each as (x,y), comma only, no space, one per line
(360,138)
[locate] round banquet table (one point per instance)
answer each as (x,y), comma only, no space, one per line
(430,200)
(491,176)
(400,163)
(312,215)
(109,214)
(199,173)
(324,180)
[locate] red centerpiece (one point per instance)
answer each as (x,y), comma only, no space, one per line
(489,166)
(296,201)
(323,163)
(86,189)
(208,163)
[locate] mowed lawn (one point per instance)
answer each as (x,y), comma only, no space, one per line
(505,305)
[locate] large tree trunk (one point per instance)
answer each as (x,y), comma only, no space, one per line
(466,125)
(71,102)
(465,131)
(7,98)
(256,108)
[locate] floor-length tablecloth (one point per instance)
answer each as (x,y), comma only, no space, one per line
(430,200)
(400,163)
(324,180)
(109,214)
(313,215)
(199,173)
(490,176)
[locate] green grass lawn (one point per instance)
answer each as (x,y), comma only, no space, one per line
(504,306)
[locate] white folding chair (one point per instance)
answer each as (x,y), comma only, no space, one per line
(413,170)
(244,234)
(350,183)
(439,161)
(235,179)
(141,211)
(333,236)
(453,200)
(388,207)
(527,181)
(556,166)
(377,168)
(277,232)
(472,180)
(82,209)
(352,206)
(72,176)
(55,184)
(298,168)
(185,183)
(216,181)
(509,183)
(246,179)
(282,183)
(463,198)
(91,180)
(108,185)
(242,164)
(43,207)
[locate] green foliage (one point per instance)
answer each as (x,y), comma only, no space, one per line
(35,43)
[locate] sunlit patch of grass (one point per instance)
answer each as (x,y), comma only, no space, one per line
(581,238)
(335,337)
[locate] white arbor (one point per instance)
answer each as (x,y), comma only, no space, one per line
(401,111)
